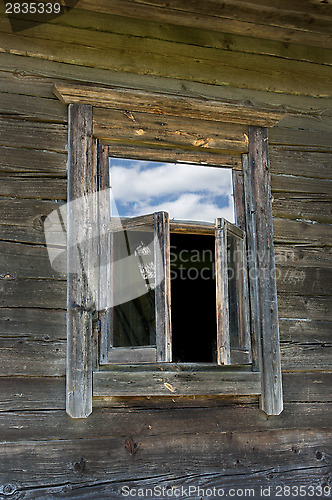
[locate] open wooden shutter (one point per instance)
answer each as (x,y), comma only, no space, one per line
(232,301)
(139,327)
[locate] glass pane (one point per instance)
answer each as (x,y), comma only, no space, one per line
(133,288)
(235,290)
(187,192)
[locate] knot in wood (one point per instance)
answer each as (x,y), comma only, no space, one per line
(131,446)
(8,489)
(80,466)
(38,222)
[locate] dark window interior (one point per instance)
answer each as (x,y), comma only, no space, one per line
(193,298)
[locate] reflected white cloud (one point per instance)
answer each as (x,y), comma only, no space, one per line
(186,191)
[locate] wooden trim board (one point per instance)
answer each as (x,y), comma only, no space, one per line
(177,383)
(160,104)
(79,254)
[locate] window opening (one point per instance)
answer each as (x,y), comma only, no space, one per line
(193,298)
(188,193)
(185,191)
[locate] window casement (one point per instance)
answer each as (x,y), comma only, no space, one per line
(109,356)
(139,329)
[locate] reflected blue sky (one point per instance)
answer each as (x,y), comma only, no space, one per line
(188,192)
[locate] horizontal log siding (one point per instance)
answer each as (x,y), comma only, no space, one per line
(207,441)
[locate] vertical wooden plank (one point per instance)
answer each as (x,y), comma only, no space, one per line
(240,267)
(245,297)
(79,262)
(223,338)
(105,353)
(234,292)
(240,220)
(163,288)
(252,263)
(239,200)
(104,251)
(94,278)
(271,399)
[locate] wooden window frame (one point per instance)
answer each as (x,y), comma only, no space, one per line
(222,231)
(143,125)
(161,352)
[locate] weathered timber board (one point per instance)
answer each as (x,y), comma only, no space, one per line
(304,281)
(32,162)
(33,187)
(82,182)
(185,35)
(30,67)
(145,127)
(78,489)
(309,8)
(111,37)
(307,386)
(163,291)
(223,348)
(320,140)
(306,345)
(250,483)
(301,339)
(225,18)
(23,220)
(209,65)
(299,307)
(97,21)
(33,324)
(19,260)
(172,154)
(155,103)
(303,256)
(33,393)
(301,122)
(32,358)
(314,207)
(24,426)
(305,331)
(300,138)
(259,222)
(103,336)
(138,455)
(26,85)
(46,293)
(300,163)
(291,231)
(30,107)
(296,184)
(158,383)
(24,356)
(296,356)
(33,135)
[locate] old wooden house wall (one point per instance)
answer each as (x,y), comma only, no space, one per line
(217,442)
